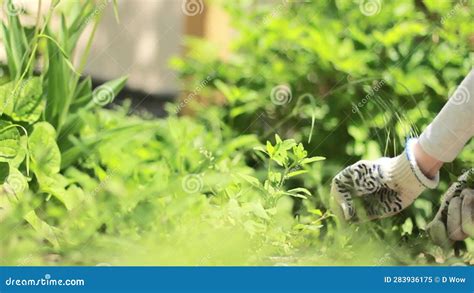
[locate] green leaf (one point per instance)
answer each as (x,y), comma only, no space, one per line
(6,97)
(297,195)
(270,149)
(55,184)
(107,92)
(73,197)
(277,138)
(316,212)
(83,94)
(9,141)
(260,148)
(224,88)
(312,160)
(258,210)
(45,154)
(28,104)
(58,79)
(22,101)
(287,144)
(14,40)
(300,190)
(299,152)
(407,227)
(250,179)
(296,173)
(43,228)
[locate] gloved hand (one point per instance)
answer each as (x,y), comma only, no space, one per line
(455,218)
(380,188)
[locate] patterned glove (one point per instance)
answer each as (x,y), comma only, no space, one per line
(380,188)
(455,218)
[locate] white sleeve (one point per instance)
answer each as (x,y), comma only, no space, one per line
(453,127)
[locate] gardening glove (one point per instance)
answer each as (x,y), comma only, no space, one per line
(379,188)
(455,218)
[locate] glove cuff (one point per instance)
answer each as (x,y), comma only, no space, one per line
(427,182)
(403,174)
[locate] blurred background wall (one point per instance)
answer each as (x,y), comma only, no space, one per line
(148,33)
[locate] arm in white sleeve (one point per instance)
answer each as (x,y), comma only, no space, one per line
(453,127)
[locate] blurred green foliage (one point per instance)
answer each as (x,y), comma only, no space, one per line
(242,182)
(356,79)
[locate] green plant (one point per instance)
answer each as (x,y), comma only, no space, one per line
(42,97)
(369,82)
(292,158)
